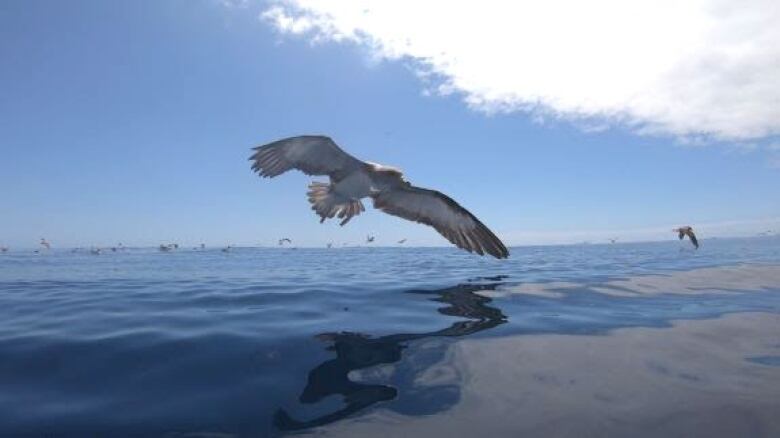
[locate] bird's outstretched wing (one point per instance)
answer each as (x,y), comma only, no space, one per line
(438,210)
(692,236)
(311,154)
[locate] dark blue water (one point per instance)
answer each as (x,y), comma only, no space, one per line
(261,342)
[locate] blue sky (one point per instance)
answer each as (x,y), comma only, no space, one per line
(132,122)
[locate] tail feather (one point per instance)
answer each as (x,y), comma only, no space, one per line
(328,204)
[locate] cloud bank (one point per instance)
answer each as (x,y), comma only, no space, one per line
(690,69)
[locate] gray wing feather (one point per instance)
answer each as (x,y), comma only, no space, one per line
(692,236)
(441,212)
(311,154)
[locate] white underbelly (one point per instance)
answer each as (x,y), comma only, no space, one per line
(357,185)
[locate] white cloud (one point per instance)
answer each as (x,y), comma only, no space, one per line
(240,4)
(692,68)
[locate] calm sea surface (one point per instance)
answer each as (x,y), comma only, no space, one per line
(275,341)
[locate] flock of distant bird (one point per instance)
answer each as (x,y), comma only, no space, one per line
(682,232)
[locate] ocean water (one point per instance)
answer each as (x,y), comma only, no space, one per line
(369,341)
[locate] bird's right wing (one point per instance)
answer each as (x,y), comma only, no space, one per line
(438,210)
(692,237)
(311,154)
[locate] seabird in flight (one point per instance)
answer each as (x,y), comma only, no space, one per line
(45,243)
(283,240)
(687,231)
(402,241)
(352,179)
(369,239)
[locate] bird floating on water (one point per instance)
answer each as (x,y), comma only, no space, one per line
(687,231)
(352,179)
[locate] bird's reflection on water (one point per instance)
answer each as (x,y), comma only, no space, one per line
(356,351)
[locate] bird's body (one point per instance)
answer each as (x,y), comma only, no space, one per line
(687,231)
(351,180)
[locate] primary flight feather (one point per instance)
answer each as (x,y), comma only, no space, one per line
(352,180)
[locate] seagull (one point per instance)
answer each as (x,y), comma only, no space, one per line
(45,244)
(283,240)
(369,239)
(352,179)
(687,231)
(402,241)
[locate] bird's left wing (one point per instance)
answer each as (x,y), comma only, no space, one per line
(311,154)
(438,210)
(692,236)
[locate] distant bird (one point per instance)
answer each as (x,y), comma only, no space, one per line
(352,179)
(369,239)
(167,247)
(687,231)
(202,246)
(44,243)
(613,240)
(283,240)
(227,248)
(402,241)
(3,249)
(329,245)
